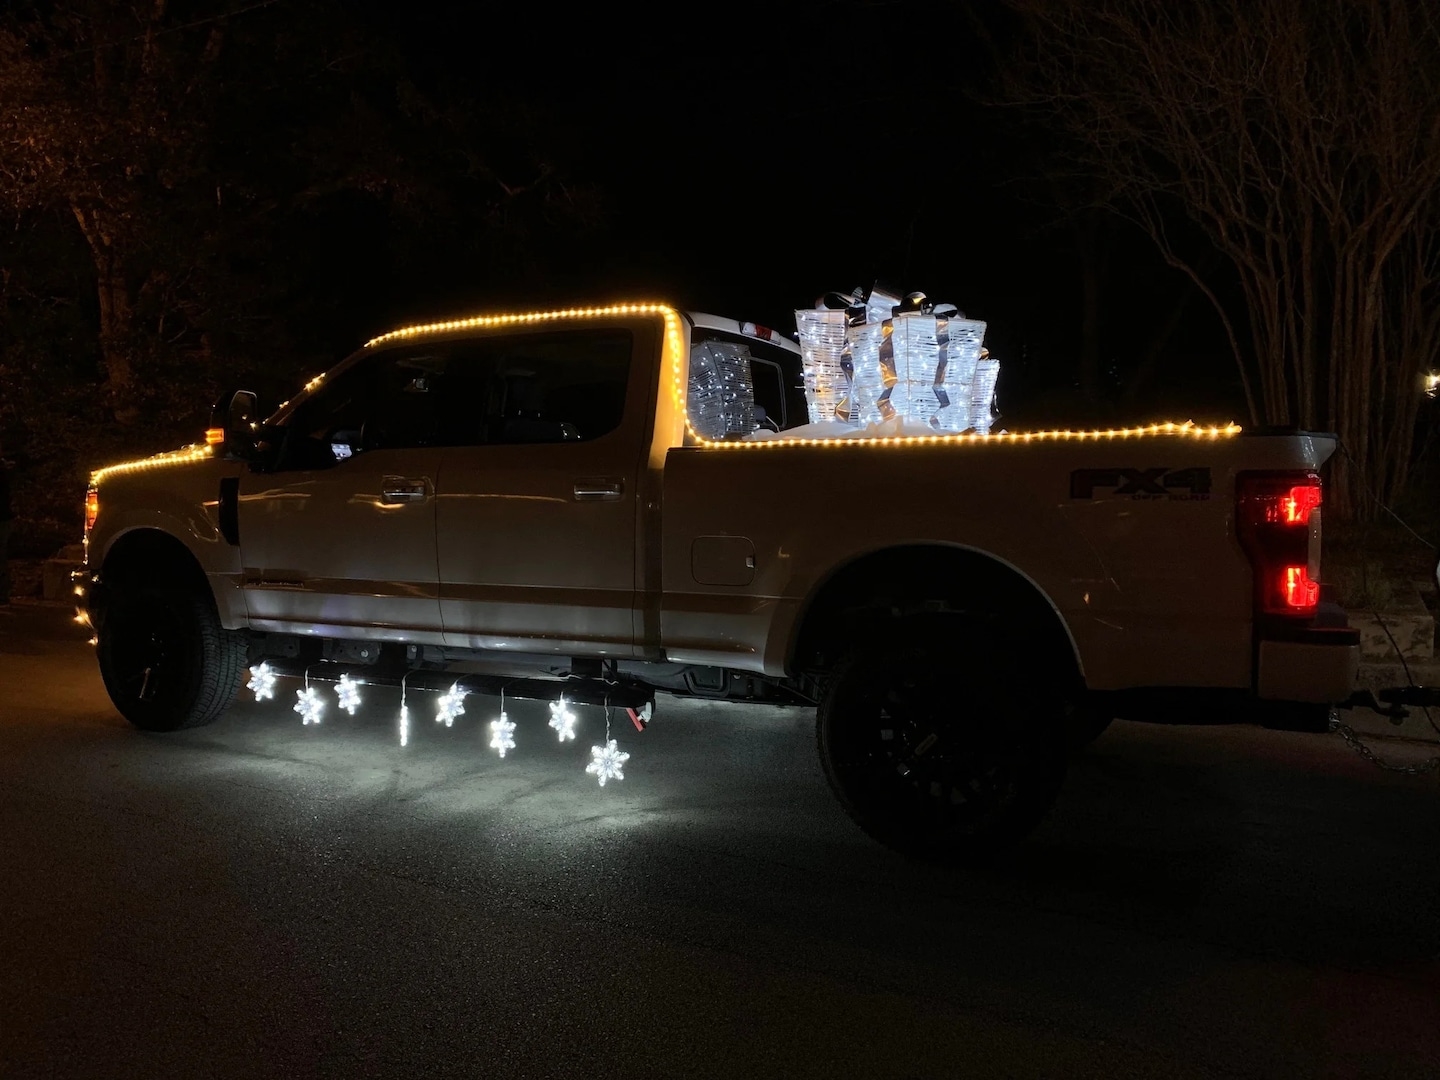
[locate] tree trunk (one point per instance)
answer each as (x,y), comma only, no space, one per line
(113,293)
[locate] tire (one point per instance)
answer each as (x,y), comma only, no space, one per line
(1085,725)
(939,748)
(166,661)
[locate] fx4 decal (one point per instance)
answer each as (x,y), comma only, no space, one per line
(1158,483)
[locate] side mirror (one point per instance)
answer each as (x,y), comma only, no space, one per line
(243,409)
(241,423)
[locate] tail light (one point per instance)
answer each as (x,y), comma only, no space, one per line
(1278,518)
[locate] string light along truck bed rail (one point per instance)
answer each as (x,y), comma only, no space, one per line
(596,505)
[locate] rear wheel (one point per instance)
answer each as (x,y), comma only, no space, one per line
(939,748)
(1087,724)
(166,661)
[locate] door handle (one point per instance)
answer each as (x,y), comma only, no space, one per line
(400,489)
(594,488)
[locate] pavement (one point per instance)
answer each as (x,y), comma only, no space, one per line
(259,898)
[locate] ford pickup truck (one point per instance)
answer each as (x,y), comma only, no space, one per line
(526,501)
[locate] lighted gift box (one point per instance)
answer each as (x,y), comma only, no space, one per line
(871,364)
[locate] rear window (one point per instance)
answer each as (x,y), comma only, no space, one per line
(740,384)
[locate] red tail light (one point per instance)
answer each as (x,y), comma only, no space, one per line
(1278,524)
(1294,507)
(1300,591)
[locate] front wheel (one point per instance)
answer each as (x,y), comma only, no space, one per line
(166,661)
(939,749)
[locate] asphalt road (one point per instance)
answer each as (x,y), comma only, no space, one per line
(259,898)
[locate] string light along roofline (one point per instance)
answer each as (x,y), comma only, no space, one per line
(671,319)
(672,335)
(183,456)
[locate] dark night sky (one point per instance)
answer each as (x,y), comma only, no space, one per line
(751,157)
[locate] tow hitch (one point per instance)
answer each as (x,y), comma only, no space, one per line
(1395,702)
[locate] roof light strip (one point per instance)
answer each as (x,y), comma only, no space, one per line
(674,346)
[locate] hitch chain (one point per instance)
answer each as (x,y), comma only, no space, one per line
(1346,732)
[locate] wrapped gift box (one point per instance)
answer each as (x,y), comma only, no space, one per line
(721,401)
(882,365)
(825,356)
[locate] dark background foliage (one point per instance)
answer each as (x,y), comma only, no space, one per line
(202,194)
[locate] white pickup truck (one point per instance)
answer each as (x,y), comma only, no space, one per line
(522,500)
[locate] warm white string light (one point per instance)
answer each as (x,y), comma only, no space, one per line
(183,456)
(680,385)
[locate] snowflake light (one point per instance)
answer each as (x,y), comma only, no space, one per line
(562,719)
(452,704)
(404,724)
(347,690)
(502,734)
(607,762)
(262,681)
(309,705)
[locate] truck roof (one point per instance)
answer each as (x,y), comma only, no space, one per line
(703,321)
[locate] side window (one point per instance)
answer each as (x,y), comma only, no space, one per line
(385,401)
(405,412)
(567,386)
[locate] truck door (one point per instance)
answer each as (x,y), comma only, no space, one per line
(537,509)
(339,538)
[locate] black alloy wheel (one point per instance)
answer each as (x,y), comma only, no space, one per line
(166,660)
(940,749)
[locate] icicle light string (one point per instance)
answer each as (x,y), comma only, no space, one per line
(404,713)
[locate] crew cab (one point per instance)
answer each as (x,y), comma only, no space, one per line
(526,501)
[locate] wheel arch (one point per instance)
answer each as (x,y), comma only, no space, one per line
(150,554)
(926,578)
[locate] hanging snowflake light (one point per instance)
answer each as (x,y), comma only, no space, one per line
(562,719)
(404,724)
(607,762)
(309,705)
(262,681)
(502,734)
(452,704)
(347,690)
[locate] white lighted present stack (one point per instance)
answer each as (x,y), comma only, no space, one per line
(902,363)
